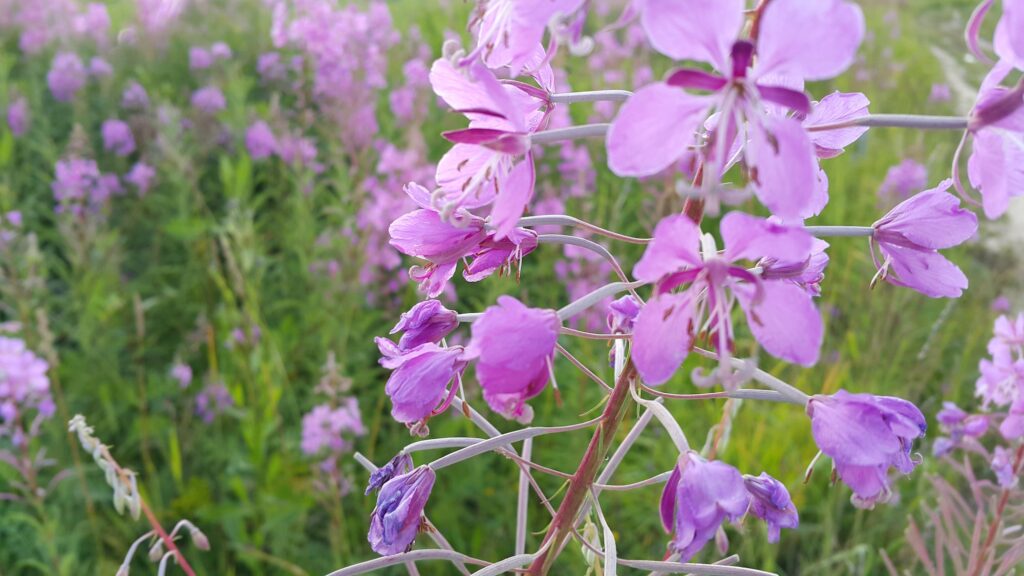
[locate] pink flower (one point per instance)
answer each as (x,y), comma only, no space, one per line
(18,117)
(260,140)
(331,428)
(135,97)
(66,77)
(781,313)
(514,347)
(182,373)
(996,164)
(418,386)
(911,234)
(427,322)
(903,179)
(395,521)
(835,108)
(770,502)
(117,137)
(509,32)
(208,100)
(1003,467)
(199,58)
(141,177)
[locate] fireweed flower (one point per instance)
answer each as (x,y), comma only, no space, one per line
(141,177)
(18,117)
(134,97)
(835,108)
(958,425)
(903,179)
(24,390)
(331,428)
(697,499)
(182,373)
(996,164)
(426,322)
(770,502)
(208,100)
(484,166)
(780,313)
(622,314)
(212,401)
(865,435)
(1008,336)
(659,123)
(400,464)
(117,137)
(199,58)
(514,347)
(509,32)
(1002,466)
(418,386)
(1012,427)
(910,235)
(396,518)
(260,140)
(66,77)
(100,68)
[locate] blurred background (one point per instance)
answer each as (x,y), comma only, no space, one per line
(195,201)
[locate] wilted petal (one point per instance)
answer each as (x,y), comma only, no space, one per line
(813,39)
(701,30)
(784,321)
(661,337)
(653,129)
(675,247)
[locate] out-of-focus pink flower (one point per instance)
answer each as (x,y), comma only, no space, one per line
(199,58)
(510,31)
(66,77)
(220,51)
(182,373)
(212,401)
(18,116)
(135,97)
(940,93)
(332,428)
(260,140)
(208,100)
(117,137)
(100,68)
(903,179)
(24,389)
(1003,466)
(141,177)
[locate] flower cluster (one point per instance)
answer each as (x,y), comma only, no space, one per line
(25,400)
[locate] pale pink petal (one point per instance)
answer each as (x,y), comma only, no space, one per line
(653,129)
(785,321)
(467,165)
(813,39)
(927,272)
(675,247)
(932,219)
(785,167)
(996,168)
(748,237)
(513,198)
(1009,38)
(661,337)
(835,108)
(701,30)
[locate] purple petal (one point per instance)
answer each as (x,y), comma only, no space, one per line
(794,100)
(513,198)
(668,499)
(661,337)
(786,170)
(675,247)
(996,168)
(748,237)
(701,30)
(932,219)
(835,108)
(813,39)
(696,79)
(928,272)
(785,321)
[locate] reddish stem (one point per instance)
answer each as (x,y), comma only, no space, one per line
(993,528)
(168,542)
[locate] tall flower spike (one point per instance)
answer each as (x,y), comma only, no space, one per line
(396,518)
(866,435)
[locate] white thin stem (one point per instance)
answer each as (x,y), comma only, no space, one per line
(134,547)
(439,444)
(791,392)
(586,245)
(653,480)
(565,220)
(897,121)
(696,569)
(840,231)
(504,440)
(522,506)
(667,421)
(162,567)
(591,96)
(506,565)
(570,133)
(740,394)
(573,308)
(583,367)
(413,556)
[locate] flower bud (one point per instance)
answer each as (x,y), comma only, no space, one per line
(396,518)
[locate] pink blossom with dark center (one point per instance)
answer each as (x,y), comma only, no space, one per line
(395,521)
(770,502)
(866,435)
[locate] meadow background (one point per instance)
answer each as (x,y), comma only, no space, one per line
(267,276)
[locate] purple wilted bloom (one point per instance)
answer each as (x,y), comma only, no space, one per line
(697,499)
(996,164)
(135,97)
(182,373)
(331,428)
(141,177)
(18,117)
(514,347)
(199,58)
(781,314)
(940,93)
(100,68)
(426,322)
(958,425)
(220,51)
(66,77)
(260,140)
(903,179)
(396,518)
(510,31)
(622,314)
(911,234)
(1003,466)
(208,100)
(400,464)
(757,82)
(865,435)
(483,167)
(117,137)
(213,401)
(418,386)
(770,502)
(835,108)
(24,387)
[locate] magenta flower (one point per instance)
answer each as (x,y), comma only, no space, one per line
(514,347)
(418,386)
(1008,337)
(135,97)
(66,77)
(510,31)
(660,122)
(697,499)
(208,100)
(911,234)
(996,164)
(396,518)
(1003,467)
(117,137)
(141,176)
(836,108)
(770,502)
(1001,380)
(18,117)
(331,428)
(622,314)
(425,323)
(260,141)
(213,401)
(781,313)
(865,435)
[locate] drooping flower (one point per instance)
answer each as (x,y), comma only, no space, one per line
(780,313)
(418,385)
(514,347)
(66,77)
(396,518)
(910,236)
(426,322)
(117,137)
(866,435)
(400,464)
(208,100)
(18,117)
(770,502)
(700,496)
(260,140)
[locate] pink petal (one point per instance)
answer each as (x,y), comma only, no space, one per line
(932,219)
(675,247)
(814,39)
(701,30)
(465,164)
(513,198)
(748,237)
(785,321)
(832,109)
(1009,37)
(653,129)
(661,337)
(928,272)
(996,168)
(786,168)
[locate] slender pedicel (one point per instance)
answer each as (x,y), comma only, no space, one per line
(653,480)
(839,231)
(898,121)
(591,96)
(413,556)
(666,419)
(502,440)
(574,308)
(564,220)
(791,392)
(523,501)
(588,245)
(740,394)
(695,569)
(570,133)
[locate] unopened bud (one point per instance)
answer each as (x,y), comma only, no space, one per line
(199,539)
(157,551)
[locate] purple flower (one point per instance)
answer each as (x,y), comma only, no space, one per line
(269,67)
(199,58)
(400,464)
(426,322)
(208,100)
(1012,427)
(835,108)
(697,499)
(135,97)
(1003,466)
(418,386)
(865,435)
(903,179)
(514,347)
(213,401)
(260,140)
(396,518)
(958,425)
(996,164)
(100,68)
(911,234)
(117,137)
(1001,304)
(940,93)
(622,314)
(220,51)
(331,428)
(66,77)
(770,502)
(1001,380)
(780,312)
(18,117)
(182,373)
(24,387)
(141,177)
(510,31)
